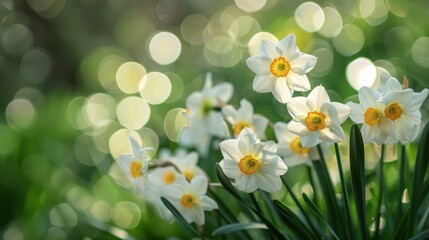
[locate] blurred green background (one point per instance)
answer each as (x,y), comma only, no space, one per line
(70,94)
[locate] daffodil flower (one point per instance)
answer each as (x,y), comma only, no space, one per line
(204,117)
(281,69)
(252,163)
(316,118)
(184,161)
(190,199)
(244,117)
(371,112)
(135,165)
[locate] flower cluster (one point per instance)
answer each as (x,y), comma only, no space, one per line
(389,112)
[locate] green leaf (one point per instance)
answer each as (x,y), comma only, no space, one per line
(230,228)
(227,184)
(421,236)
(319,214)
(179,216)
(357,171)
(231,189)
(419,175)
(293,222)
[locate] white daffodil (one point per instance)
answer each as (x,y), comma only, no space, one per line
(281,69)
(244,117)
(370,111)
(158,179)
(204,115)
(252,163)
(135,165)
(185,162)
(316,118)
(403,109)
(190,199)
(289,146)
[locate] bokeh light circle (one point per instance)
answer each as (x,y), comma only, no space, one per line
(17,39)
(35,66)
(255,41)
(350,41)
(310,16)
(99,109)
(165,48)
(333,23)
(155,87)
(119,144)
(192,28)
(173,123)
(128,77)
(420,51)
(20,113)
(126,215)
(250,5)
(361,72)
(133,112)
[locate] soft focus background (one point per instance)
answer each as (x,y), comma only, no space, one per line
(70,94)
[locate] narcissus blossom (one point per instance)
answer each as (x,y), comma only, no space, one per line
(316,118)
(252,163)
(190,199)
(135,165)
(204,115)
(184,161)
(281,69)
(244,117)
(370,111)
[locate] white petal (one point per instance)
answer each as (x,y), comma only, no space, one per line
(268,49)
(368,96)
(223,91)
(333,133)
(230,168)
(268,183)
(288,45)
(281,91)
(298,82)
(298,128)
(258,64)
(135,146)
(264,83)
(356,112)
(303,64)
(124,162)
(310,140)
(296,160)
(260,123)
(230,150)
(270,147)
(318,96)
(298,108)
(230,114)
(208,83)
(343,111)
(245,140)
(419,98)
(215,124)
(199,185)
(197,214)
(194,101)
(208,204)
(245,112)
(173,192)
(275,166)
(246,183)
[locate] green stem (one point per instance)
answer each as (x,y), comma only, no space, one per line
(401,178)
(313,184)
(380,197)
(345,193)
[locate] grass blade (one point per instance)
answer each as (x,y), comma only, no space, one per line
(230,228)
(421,166)
(357,171)
(293,222)
(316,210)
(179,216)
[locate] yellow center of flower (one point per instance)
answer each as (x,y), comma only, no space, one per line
(372,116)
(248,165)
(239,126)
(297,148)
(280,67)
(135,169)
(393,111)
(188,175)
(206,107)
(315,121)
(187,200)
(169,177)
